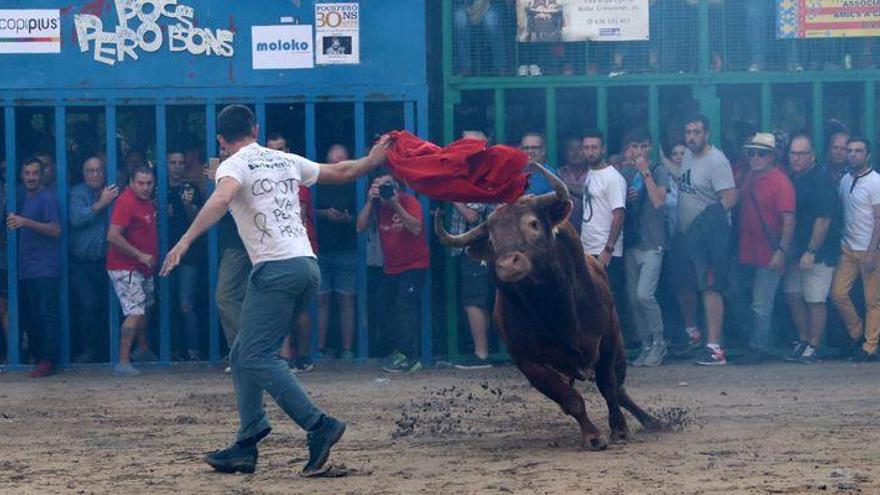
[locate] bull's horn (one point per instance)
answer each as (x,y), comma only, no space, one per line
(472,236)
(560,190)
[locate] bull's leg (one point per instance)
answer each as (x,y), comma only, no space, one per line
(648,421)
(559,389)
(606,380)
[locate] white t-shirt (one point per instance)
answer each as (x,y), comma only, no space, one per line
(266,209)
(604,192)
(858,212)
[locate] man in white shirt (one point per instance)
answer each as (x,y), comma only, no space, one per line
(860,195)
(260,187)
(604,207)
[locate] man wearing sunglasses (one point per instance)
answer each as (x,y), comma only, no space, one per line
(860,194)
(766,226)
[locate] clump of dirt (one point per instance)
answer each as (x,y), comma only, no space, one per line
(674,418)
(451,410)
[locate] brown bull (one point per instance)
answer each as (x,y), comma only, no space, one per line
(554,309)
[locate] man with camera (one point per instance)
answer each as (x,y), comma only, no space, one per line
(184,201)
(398,216)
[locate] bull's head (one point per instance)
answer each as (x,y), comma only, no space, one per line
(516,237)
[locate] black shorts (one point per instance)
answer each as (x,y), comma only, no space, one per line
(474,282)
(691,268)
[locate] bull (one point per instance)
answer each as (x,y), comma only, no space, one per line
(554,309)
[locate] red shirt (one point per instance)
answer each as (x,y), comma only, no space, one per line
(767,195)
(402,249)
(138,220)
(305,206)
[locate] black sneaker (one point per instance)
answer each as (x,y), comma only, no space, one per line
(234,459)
(320,440)
(809,356)
(712,357)
(302,365)
(473,363)
(796,353)
(863,356)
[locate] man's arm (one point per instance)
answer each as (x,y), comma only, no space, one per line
(81,211)
(656,194)
(817,238)
(470,215)
(117,240)
(728,198)
(215,208)
(617,216)
(51,229)
(411,223)
(777,261)
(349,170)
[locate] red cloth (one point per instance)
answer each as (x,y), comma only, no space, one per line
(305,207)
(138,220)
(774,195)
(402,250)
(464,171)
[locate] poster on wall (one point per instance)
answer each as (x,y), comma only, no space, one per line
(337,38)
(284,46)
(30,31)
(827,18)
(541,21)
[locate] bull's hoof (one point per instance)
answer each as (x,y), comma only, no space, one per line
(652,425)
(618,436)
(597,442)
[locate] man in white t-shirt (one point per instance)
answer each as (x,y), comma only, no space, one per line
(860,195)
(260,186)
(604,208)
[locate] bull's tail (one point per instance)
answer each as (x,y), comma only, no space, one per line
(648,421)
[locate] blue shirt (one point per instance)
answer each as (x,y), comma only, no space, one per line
(39,256)
(88,230)
(538,184)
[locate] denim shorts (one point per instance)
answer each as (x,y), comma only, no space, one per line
(338,272)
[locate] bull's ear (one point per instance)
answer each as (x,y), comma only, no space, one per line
(559,212)
(481,251)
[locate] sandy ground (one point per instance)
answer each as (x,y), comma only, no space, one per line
(758,429)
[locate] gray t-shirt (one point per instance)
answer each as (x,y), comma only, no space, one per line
(652,221)
(701,180)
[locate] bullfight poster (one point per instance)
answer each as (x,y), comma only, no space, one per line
(337,38)
(827,18)
(582,20)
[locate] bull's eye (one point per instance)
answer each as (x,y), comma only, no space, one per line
(533,224)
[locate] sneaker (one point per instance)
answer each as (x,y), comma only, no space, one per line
(125,370)
(862,356)
(712,357)
(754,68)
(522,70)
(43,369)
(291,362)
(473,363)
(405,366)
(809,356)
(347,356)
(227,370)
(302,365)
(796,353)
(393,358)
(655,356)
(534,70)
(320,440)
(234,459)
(640,359)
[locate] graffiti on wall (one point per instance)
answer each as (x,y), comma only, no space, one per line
(138,30)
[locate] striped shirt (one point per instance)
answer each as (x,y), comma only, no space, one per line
(88,230)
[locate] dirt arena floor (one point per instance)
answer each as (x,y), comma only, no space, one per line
(758,429)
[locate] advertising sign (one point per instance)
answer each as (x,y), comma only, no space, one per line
(337,38)
(582,20)
(827,18)
(30,31)
(282,47)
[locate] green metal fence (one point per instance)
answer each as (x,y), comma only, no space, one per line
(700,58)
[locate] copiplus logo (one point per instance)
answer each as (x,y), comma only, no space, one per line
(17,25)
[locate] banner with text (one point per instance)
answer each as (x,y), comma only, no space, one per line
(30,31)
(827,18)
(337,39)
(581,20)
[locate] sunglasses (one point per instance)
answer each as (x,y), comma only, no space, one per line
(760,153)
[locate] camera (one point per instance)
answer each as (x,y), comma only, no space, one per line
(387,190)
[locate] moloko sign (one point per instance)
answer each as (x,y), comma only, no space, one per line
(282,47)
(139,30)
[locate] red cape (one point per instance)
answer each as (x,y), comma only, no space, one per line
(464,171)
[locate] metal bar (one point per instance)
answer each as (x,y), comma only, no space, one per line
(360,148)
(552,144)
(500,117)
(452,316)
(602,109)
(13,339)
(260,107)
(654,120)
(311,154)
(766,107)
(421,119)
(162,188)
(61,188)
(870,109)
(213,244)
(448,41)
(818,121)
(113,304)
(703,41)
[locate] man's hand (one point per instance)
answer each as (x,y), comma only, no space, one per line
(379,152)
(807,261)
(604,258)
(187,197)
(336,216)
(108,194)
(869,260)
(777,262)
(15,222)
(642,164)
(147,260)
(173,258)
(373,193)
(632,194)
